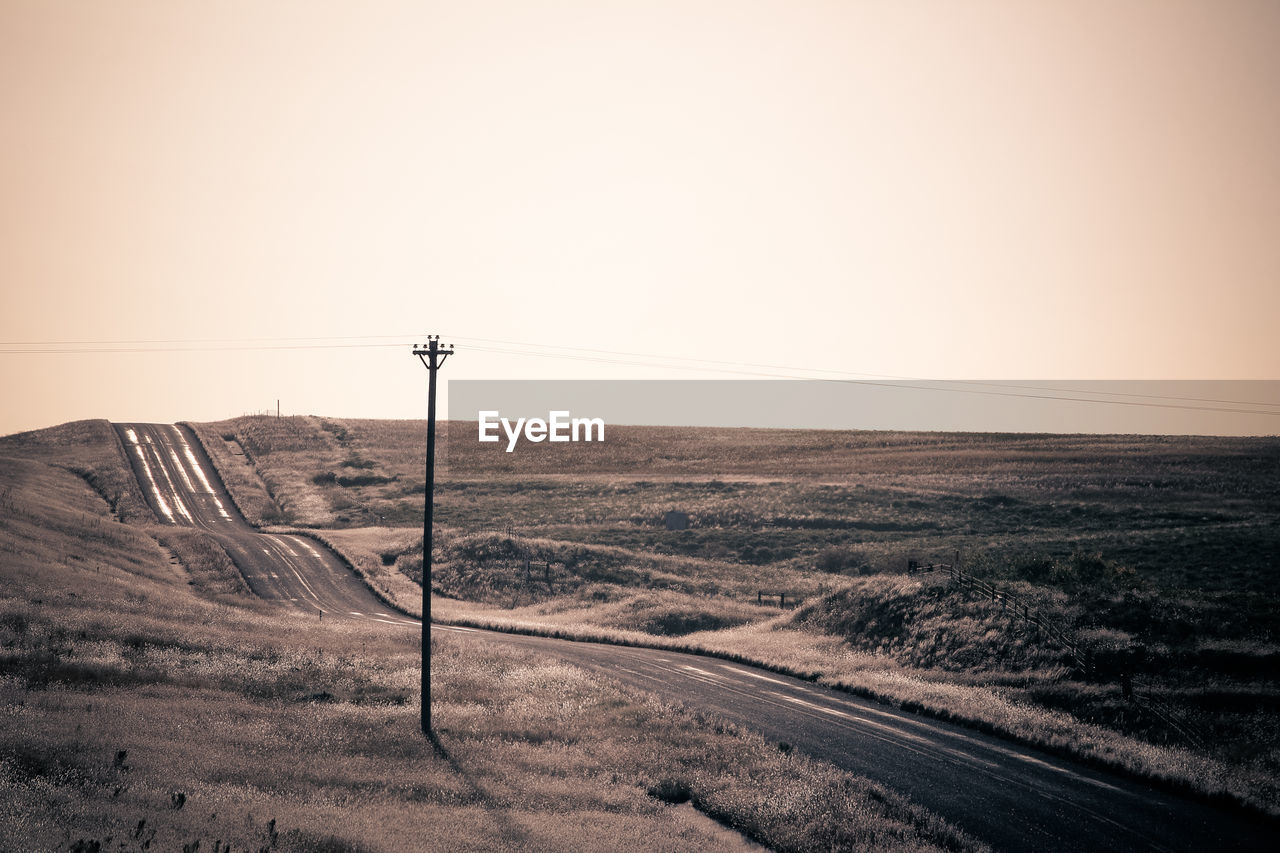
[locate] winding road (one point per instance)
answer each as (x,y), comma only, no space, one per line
(1010,796)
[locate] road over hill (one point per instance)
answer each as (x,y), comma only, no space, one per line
(1012,797)
(183,488)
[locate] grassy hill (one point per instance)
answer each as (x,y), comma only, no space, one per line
(149,703)
(1159,556)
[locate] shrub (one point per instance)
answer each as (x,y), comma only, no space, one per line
(843,558)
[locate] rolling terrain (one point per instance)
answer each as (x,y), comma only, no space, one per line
(1007,795)
(1147,561)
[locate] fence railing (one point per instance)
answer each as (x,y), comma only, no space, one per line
(782,597)
(1013,604)
(1083,658)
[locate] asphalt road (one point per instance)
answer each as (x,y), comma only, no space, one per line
(183,488)
(1010,796)
(1013,797)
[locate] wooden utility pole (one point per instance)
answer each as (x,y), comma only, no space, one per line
(432,357)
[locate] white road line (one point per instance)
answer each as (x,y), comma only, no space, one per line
(641,674)
(173,489)
(294,571)
(702,672)
(759,676)
(151,478)
(182,470)
(832,711)
(199,472)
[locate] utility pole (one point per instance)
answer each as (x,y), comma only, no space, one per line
(432,357)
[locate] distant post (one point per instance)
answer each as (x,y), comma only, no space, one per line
(432,357)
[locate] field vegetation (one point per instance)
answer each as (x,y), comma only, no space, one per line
(1160,555)
(150,703)
(92,451)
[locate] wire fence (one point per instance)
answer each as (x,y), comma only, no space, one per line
(1082,657)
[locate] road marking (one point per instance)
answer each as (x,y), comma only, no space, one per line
(757,675)
(703,672)
(1031,759)
(288,565)
(641,674)
(200,475)
(155,486)
(151,478)
(832,711)
(705,676)
(182,470)
(173,488)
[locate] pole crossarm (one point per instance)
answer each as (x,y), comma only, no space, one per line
(432,357)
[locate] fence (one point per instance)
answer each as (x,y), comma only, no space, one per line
(1021,608)
(761,595)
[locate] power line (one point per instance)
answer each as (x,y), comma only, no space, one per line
(900,385)
(875,376)
(142,341)
(625,358)
(74,350)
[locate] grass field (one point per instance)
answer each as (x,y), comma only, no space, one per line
(1160,555)
(149,703)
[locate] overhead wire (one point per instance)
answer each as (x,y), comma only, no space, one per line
(874,383)
(879,377)
(625,358)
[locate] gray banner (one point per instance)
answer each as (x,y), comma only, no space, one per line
(1235,407)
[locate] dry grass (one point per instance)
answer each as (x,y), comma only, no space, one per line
(776,645)
(91,450)
(302,459)
(237,472)
(51,517)
(1155,550)
(207,565)
(374,553)
(141,714)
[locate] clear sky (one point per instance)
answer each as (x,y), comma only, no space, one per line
(1065,189)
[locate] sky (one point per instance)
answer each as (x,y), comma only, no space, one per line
(209,207)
